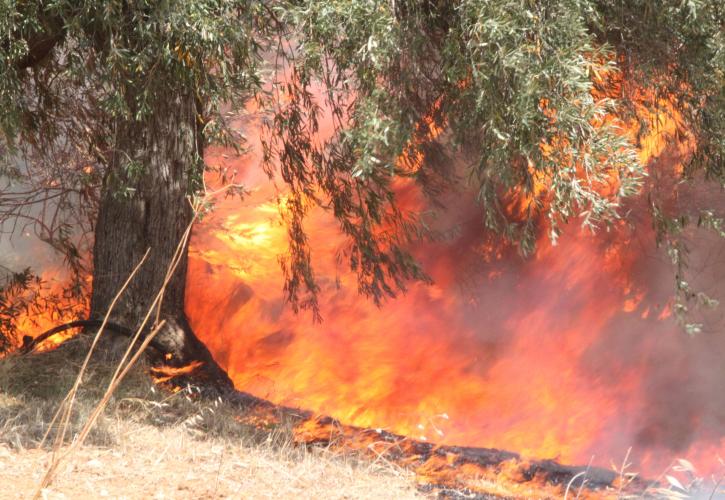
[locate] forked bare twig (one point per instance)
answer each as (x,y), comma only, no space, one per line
(66,406)
(123,367)
(67,403)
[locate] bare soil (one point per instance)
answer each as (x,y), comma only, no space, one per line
(153,444)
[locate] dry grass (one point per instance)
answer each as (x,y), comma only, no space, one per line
(152,444)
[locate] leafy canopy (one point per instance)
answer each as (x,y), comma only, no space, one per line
(504,87)
(511,86)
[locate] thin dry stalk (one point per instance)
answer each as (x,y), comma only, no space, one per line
(156,304)
(197,206)
(625,478)
(112,388)
(67,404)
(584,481)
(122,368)
(714,488)
(659,478)
(571,482)
(68,401)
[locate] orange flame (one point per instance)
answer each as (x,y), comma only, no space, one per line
(552,358)
(36,320)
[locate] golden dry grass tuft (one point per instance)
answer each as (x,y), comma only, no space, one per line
(150,443)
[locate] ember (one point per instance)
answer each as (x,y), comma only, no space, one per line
(164,373)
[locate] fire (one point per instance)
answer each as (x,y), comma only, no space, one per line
(491,472)
(571,355)
(52,305)
(166,373)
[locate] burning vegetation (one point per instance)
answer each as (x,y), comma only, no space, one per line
(570,356)
(573,355)
(483,208)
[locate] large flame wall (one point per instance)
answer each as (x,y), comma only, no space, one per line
(571,354)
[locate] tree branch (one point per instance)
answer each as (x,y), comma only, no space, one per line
(42,43)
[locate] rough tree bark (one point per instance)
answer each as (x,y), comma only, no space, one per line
(144,205)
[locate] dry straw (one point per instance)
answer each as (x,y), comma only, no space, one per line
(64,411)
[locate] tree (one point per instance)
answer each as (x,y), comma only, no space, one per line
(146,79)
(137,89)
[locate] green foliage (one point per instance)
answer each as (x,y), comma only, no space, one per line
(502,78)
(677,50)
(499,93)
(123,59)
(680,46)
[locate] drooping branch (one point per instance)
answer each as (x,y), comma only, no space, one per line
(39,47)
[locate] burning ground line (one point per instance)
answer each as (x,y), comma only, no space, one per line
(457,471)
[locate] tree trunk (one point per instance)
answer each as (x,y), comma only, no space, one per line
(144,206)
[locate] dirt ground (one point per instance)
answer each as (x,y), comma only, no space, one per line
(158,464)
(152,444)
